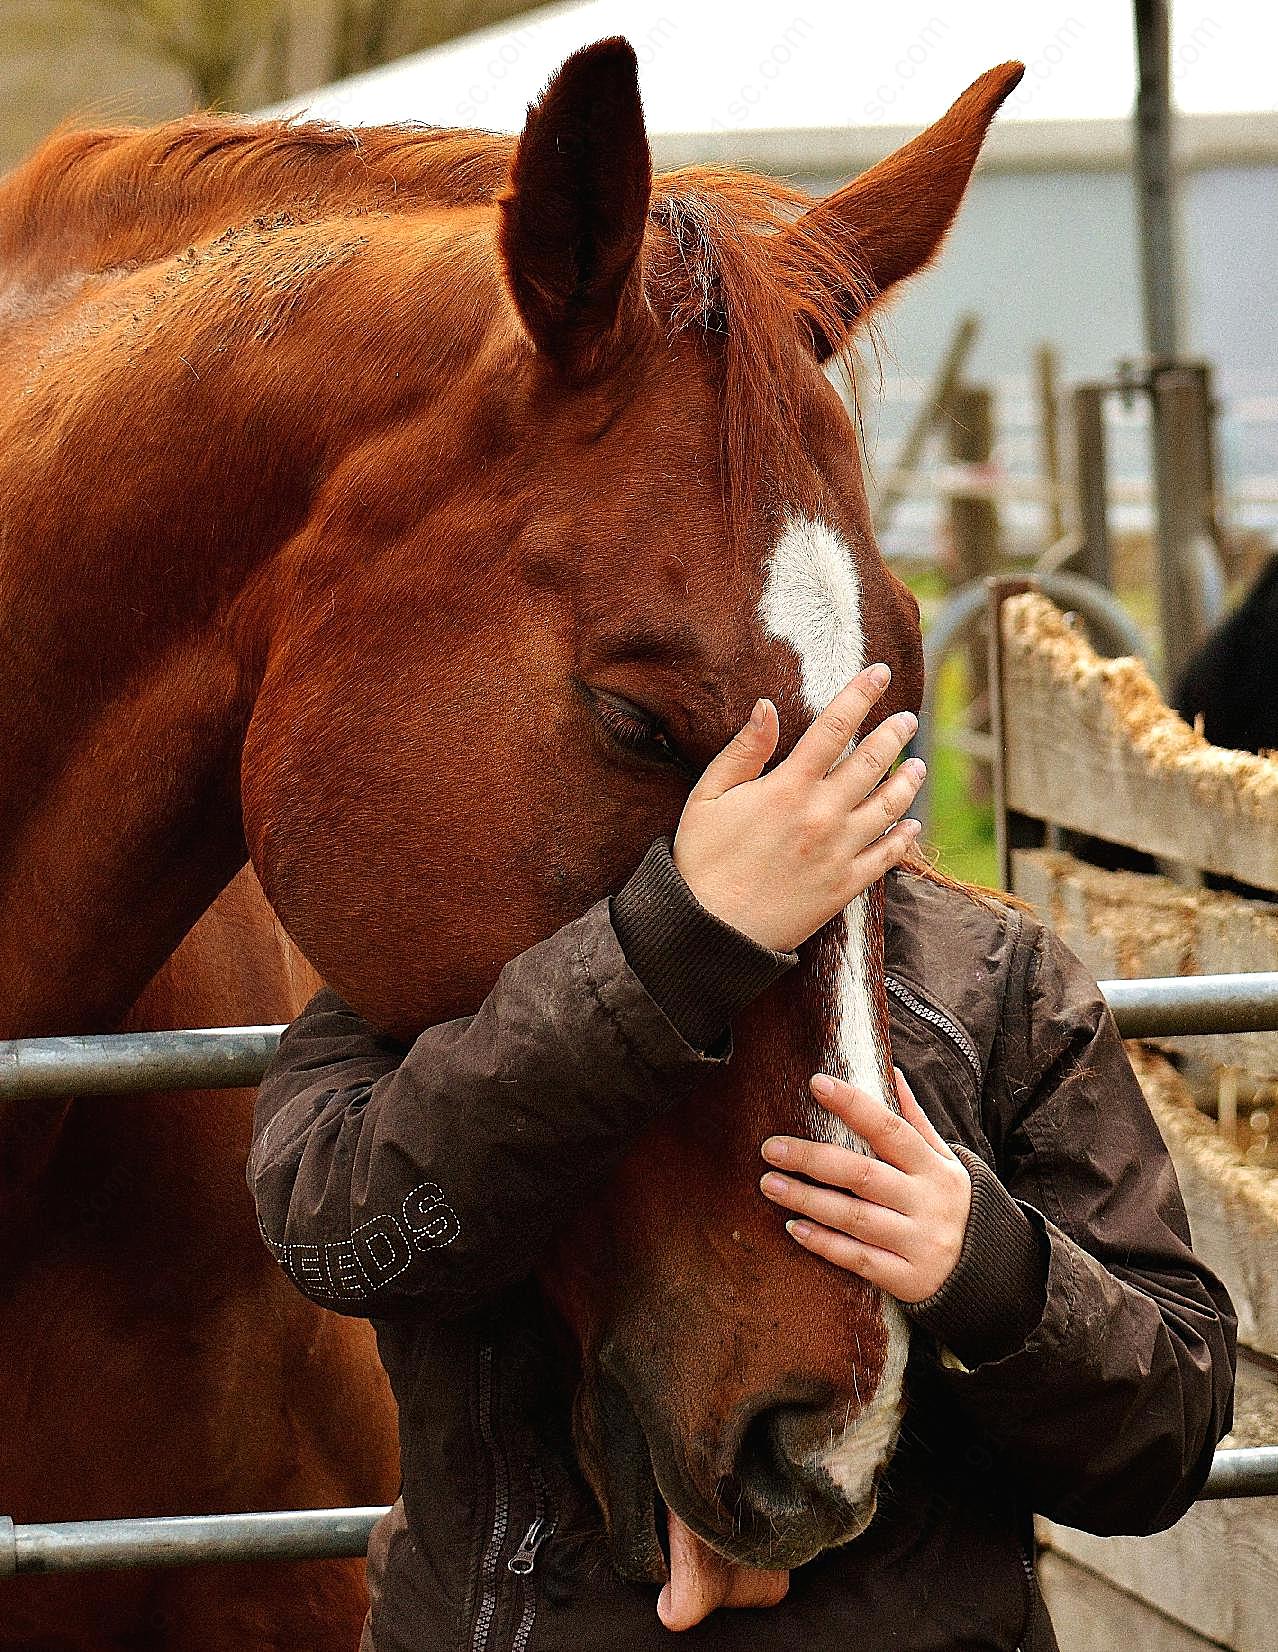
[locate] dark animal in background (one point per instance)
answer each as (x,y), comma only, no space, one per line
(1232,681)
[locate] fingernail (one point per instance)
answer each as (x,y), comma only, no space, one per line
(774,1184)
(799,1230)
(759,713)
(909,721)
(775,1149)
(880,676)
(822,1086)
(915,766)
(913,828)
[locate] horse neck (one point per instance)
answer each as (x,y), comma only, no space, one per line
(124,824)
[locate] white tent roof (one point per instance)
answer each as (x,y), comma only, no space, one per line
(740,74)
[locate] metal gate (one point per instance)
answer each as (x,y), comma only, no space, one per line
(231,1057)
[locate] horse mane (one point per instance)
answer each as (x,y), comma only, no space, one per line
(753,265)
(734,259)
(922,863)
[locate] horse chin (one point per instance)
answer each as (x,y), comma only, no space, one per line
(768,1541)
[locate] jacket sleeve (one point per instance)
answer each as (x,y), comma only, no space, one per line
(1095,1352)
(431,1176)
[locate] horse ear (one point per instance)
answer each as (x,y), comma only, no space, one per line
(890,222)
(575,206)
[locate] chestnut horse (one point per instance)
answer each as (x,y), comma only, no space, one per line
(412,513)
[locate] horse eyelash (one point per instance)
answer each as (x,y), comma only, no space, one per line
(635,731)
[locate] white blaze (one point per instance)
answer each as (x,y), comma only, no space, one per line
(812,601)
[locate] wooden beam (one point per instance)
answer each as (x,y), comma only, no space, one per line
(926,419)
(1233,1215)
(1129,924)
(1090,746)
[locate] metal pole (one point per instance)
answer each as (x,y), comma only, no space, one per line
(1248,1471)
(233,1057)
(113,1064)
(1190,581)
(1155,180)
(1161,1006)
(333,1534)
(184,1540)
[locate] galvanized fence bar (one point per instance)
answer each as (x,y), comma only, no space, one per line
(227,1057)
(184,1540)
(331,1534)
(116,1064)
(1246,1471)
(1157,1007)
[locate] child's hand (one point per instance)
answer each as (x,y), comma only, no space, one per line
(898,1220)
(777,855)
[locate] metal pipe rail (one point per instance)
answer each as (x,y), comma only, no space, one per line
(117,1064)
(1157,1007)
(332,1534)
(184,1540)
(221,1058)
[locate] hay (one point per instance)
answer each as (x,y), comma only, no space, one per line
(1251,1189)
(1122,698)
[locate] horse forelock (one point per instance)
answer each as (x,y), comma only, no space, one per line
(739,261)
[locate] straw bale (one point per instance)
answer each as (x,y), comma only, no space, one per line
(1088,744)
(1131,924)
(1232,1202)
(1122,698)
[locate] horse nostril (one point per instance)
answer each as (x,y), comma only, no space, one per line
(773,1466)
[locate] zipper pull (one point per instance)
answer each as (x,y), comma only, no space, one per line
(525,1556)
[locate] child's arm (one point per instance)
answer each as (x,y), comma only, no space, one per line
(1095,1353)
(438,1174)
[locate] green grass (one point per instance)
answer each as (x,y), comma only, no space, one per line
(962,831)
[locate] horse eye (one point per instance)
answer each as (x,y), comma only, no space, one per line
(634,729)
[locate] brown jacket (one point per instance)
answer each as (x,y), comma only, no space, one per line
(1078,1363)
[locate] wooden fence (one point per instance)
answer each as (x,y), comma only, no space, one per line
(1087,755)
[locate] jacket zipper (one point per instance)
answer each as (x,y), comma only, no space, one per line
(523,1563)
(1031,1581)
(935,1018)
(501,1503)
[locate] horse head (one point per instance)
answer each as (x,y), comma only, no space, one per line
(611,497)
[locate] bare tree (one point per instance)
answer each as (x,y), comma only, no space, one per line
(235,52)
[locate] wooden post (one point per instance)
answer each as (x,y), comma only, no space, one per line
(1090,474)
(934,406)
(1009,832)
(973,521)
(1047,383)
(974,531)
(1182,481)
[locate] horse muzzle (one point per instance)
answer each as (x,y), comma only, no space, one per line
(762,1495)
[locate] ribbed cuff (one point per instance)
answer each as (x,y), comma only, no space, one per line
(699,969)
(996,1295)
